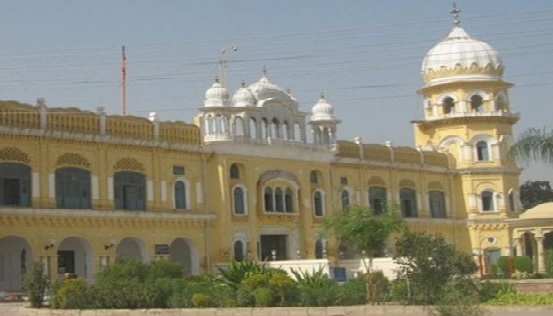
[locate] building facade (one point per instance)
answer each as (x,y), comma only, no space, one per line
(80,189)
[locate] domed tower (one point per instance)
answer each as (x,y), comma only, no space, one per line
(467,115)
(323,123)
(213,117)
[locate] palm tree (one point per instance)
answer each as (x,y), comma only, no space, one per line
(534,145)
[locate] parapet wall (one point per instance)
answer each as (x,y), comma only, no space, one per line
(74,120)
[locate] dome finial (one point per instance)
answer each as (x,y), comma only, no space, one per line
(455,12)
(243,84)
(264,71)
(322,94)
(217,79)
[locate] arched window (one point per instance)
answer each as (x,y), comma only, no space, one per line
(180,195)
(436,201)
(268,197)
(319,249)
(275,129)
(313,177)
(286,131)
(129,190)
(448,105)
(288,201)
(264,129)
(253,128)
(239,201)
(209,124)
(72,188)
(234,171)
(345,200)
(408,201)
(15,184)
(511,197)
(482,152)
(501,103)
(239,250)
(238,126)
(297,132)
(487,201)
(477,103)
(279,200)
(377,199)
(318,203)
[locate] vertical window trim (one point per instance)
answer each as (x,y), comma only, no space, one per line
(414,201)
(483,151)
(493,207)
(371,198)
(322,203)
(268,199)
(187,201)
(437,197)
(244,200)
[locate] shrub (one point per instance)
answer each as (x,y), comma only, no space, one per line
(457,300)
(163,269)
(238,271)
(264,297)
(490,290)
(35,284)
(201,300)
(281,284)
(72,293)
(523,264)
(352,292)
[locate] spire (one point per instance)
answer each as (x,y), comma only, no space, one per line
(243,84)
(264,71)
(455,12)
(322,94)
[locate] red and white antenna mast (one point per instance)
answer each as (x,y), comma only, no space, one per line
(123,81)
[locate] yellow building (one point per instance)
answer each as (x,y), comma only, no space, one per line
(79,189)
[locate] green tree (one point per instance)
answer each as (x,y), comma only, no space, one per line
(534,145)
(35,283)
(429,263)
(367,232)
(533,193)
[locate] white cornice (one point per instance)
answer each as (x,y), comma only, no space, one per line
(396,165)
(106,213)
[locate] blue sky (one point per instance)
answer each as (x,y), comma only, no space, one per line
(364,55)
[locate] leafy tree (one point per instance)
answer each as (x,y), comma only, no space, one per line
(533,193)
(367,232)
(534,145)
(35,283)
(430,263)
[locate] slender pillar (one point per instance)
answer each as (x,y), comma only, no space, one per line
(518,245)
(540,255)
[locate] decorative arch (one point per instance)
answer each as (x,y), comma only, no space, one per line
(14,154)
(407,183)
(129,164)
(238,126)
(448,94)
(435,185)
(481,93)
(448,140)
(278,174)
(73,159)
(376,181)
(483,137)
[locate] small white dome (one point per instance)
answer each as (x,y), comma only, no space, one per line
(243,97)
(216,96)
(460,56)
(322,111)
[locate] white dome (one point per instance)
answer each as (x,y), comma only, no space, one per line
(322,111)
(461,57)
(243,97)
(265,90)
(216,96)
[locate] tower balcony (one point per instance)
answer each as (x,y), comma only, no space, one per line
(507,114)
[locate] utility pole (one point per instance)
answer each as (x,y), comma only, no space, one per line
(123,81)
(223,64)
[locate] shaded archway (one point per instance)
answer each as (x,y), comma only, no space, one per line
(75,255)
(183,252)
(132,248)
(15,257)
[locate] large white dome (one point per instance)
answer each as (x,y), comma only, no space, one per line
(243,97)
(461,57)
(264,90)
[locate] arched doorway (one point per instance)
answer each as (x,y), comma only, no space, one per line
(182,252)
(75,255)
(15,258)
(132,248)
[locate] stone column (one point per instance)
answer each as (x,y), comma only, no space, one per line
(540,255)
(518,245)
